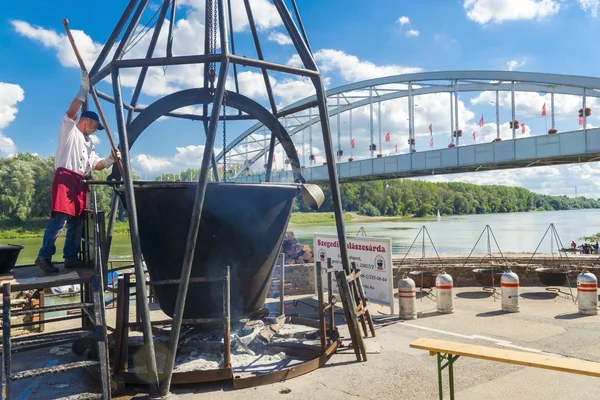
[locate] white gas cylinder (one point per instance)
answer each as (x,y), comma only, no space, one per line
(587,293)
(509,284)
(407,296)
(445,293)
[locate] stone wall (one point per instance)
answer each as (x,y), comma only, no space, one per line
(299,279)
(464,275)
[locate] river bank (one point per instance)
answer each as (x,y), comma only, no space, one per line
(14,229)
(525,232)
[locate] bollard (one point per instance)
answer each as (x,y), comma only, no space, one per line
(407,296)
(509,284)
(445,296)
(587,293)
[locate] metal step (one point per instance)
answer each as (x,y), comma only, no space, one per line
(82,396)
(60,307)
(31,343)
(51,370)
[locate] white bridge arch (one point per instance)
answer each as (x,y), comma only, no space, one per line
(344,98)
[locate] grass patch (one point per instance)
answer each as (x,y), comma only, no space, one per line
(121,227)
(310,218)
(15,229)
(11,229)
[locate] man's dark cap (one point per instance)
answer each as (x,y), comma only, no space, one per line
(93,116)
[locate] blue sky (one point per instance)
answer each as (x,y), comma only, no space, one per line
(352,40)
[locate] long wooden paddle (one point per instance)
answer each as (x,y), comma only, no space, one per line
(65,23)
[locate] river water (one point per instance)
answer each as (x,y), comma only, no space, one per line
(514,232)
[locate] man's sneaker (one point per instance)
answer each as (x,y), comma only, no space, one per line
(46,265)
(75,264)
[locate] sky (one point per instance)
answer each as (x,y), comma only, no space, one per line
(352,40)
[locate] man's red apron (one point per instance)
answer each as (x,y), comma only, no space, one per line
(69,195)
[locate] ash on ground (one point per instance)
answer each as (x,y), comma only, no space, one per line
(257,346)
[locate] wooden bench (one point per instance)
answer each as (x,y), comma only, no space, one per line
(450,351)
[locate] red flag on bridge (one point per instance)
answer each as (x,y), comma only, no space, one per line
(474,139)
(396,148)
(352,142)
(580,120)
(387,137)
(430,129)
(431,142)
(544,109)
(522,128)
(481,122)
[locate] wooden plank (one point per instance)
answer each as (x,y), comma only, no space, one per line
(571,365)
(26,278)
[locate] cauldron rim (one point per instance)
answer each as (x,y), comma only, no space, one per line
(428,273)
(489,271)
(5,247)
(547,270)
(159,184)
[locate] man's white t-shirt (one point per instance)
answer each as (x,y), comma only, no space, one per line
(75,149)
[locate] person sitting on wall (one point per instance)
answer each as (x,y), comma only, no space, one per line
(75,158)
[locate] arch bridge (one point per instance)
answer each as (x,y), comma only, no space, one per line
(542,148)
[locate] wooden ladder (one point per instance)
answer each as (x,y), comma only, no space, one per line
(356,307)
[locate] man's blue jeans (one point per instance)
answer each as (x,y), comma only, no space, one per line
(72,241)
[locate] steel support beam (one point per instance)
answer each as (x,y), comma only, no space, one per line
(136,245)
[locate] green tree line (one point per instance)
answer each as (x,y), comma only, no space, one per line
(403,197)
(25,184)
(26,179)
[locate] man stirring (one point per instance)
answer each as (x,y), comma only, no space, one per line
(75,158)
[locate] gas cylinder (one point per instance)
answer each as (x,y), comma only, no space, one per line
(407,296)
(587,293)
(509,284)
(445,293)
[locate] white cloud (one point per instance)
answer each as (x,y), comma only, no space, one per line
(10,95)
(190,155)
(403,20)
(151,165)
(412,33)
(95,139)
(590,6)
(185,157)
(484,11)
(514,64)
(252,84)
(351,68)
(7,146)
(188,36)
(291,90)
(279,38)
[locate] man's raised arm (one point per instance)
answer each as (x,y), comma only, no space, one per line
(81,96)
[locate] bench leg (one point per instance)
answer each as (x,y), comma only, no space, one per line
(441,366)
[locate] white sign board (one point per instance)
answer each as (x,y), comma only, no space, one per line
(373,256)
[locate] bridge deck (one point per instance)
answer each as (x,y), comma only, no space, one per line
(564,148)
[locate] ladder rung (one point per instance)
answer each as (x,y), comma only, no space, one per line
(32,343)
(60,307)
(51,370)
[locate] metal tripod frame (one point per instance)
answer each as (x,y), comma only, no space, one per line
(129,128)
